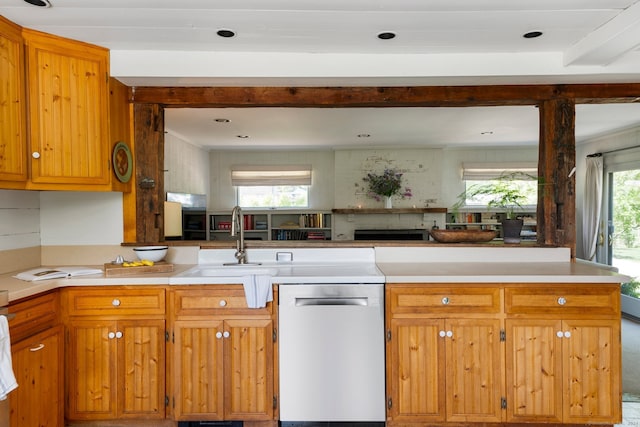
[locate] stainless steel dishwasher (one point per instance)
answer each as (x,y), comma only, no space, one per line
(331,353)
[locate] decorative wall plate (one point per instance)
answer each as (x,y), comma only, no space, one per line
(122,161)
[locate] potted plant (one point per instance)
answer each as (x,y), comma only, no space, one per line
(386,185)
(503,194)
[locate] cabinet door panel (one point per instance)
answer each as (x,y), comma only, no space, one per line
(13,140)
(249,369)
(39,398)
(91,370)
(473,370)
(592,371)
(141,367)
(68,110)
(197,377)
(534,371)
(417,382)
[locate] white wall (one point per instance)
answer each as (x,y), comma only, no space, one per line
(80,218)
(222,196)
(186,166)
(19,219)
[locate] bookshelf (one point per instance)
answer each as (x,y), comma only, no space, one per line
(274,225)
(491,220)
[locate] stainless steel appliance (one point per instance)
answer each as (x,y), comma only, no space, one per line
(4,404)
(331,353)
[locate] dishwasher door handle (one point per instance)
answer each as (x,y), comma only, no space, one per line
(361,301)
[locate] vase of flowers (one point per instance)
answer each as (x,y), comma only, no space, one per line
(386,185)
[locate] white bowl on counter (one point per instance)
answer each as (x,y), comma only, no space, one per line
(151,253)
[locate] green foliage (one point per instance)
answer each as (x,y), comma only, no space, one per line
(388,184)
(626,218)
(632,289)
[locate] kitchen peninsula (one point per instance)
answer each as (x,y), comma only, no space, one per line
(509,335)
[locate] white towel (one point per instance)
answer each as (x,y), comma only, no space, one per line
(7,379)
(257,290)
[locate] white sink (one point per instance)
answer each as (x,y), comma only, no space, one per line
(221,273)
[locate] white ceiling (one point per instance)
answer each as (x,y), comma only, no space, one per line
(333,42)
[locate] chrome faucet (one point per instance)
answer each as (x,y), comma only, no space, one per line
(237,223)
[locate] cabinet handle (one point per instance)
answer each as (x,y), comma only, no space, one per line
(226,334)
(222,303)
(115,302)
(111,335)
(118,334)
(562,300)
(560,334)
(567,334)
(442,334)
(445,300)
(35,155)
(218,335)
(37,348)
(449,334)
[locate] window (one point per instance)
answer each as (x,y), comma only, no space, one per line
(528,188)
(271,186)
(494,184)
(273,196)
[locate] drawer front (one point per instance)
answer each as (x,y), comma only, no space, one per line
(92,302)
(575,299)
(202,302)
(430,299)
(33,315)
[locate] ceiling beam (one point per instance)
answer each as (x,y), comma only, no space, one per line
(608,42)
(419,96)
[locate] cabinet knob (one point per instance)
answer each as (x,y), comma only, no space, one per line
(218,335)
(562,300)
(442,334)
(115,302)
(111,335)
(445,300)
(559,334)
(118,334)
(567,334)
(222,303)
(449,334)
(226,334)
(35,155)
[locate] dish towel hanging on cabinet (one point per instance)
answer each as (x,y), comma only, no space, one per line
(7,378)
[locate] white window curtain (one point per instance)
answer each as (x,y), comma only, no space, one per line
(268,175)
(592,206)
(489,171)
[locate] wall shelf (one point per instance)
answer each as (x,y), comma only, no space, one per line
(389,211)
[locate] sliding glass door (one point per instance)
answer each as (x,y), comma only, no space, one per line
(624,233)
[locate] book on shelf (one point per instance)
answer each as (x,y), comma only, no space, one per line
(44,273)
(312,220)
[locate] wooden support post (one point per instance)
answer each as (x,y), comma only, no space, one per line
(557,159)
(149,160)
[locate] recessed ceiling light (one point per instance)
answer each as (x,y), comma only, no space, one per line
(39,3)
(242,136)
(386,35)
(222,120)
(226,33)
(532,34)
(487,132)
(363,135)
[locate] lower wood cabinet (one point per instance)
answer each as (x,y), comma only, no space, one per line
(37,363)
(563,354)
(506,353)
(444,365)
(37,354)
(115,353)
(223,357)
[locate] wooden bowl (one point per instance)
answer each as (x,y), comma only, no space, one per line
(460,236)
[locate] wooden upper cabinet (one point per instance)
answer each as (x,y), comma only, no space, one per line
(13,139)
(69,112)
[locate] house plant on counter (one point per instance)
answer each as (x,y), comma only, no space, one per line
(385,186)
(505,194)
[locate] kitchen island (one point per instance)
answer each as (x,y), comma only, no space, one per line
(506,336)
